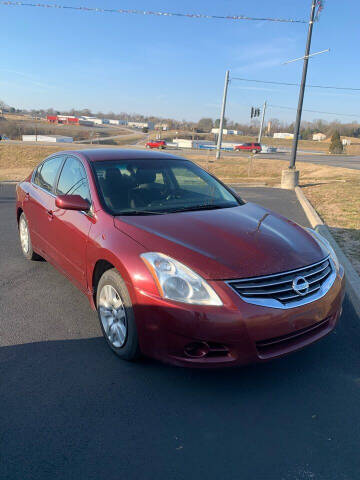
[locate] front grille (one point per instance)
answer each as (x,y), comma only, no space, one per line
(278,290)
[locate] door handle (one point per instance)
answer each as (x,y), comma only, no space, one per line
(50,214)
(27,196)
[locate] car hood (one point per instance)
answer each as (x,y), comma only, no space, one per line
(238,242)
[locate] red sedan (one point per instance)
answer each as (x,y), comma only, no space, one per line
(156,144)
(177,266)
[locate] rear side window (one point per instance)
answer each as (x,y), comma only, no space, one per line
(46,174)
(73,180)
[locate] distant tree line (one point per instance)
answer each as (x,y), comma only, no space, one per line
(205,124)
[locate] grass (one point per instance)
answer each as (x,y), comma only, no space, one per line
(17,160)
(334,191)
(339,205)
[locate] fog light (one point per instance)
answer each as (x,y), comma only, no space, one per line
(196,349)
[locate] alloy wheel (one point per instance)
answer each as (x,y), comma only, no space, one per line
(113,316)
(24,235)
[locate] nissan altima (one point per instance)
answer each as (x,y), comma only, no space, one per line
(178,266)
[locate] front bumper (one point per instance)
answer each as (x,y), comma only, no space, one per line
(237,333)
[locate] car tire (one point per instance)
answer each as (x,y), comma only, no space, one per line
(25,239)
(116,316)
(254,151)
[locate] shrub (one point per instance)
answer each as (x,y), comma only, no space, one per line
(336,145)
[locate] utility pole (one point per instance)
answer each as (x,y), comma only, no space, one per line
(222,117)
(36,135)
(302,88)
(262,122)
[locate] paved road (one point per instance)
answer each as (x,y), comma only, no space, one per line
(71,410)
(345,161)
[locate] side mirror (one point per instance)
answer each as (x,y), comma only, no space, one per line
(72,202)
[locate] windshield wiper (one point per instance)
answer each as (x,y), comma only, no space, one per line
(176,210)
(200,207)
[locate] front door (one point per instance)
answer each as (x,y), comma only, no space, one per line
(70,229)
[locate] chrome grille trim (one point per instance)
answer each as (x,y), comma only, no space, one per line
(276,291)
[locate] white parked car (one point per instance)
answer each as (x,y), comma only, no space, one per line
(268,149)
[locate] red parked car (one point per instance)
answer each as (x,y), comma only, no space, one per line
(250,147)
(177,266)
(156,144)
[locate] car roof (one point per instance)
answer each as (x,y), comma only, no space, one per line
(113,154)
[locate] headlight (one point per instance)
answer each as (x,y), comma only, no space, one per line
(177,282)
(324,242)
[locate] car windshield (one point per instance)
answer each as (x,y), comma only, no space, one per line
(148,187)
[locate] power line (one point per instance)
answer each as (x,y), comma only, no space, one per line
(317,111)
(144,12)
(295,84)
(248,105)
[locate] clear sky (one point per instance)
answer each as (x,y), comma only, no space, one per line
(175,67)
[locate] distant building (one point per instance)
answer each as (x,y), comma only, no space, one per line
(117,122)
(86,123)
(84,117)
(346,141)
(286,136)
(216,131)
(162,126)
(47,138)
(94,120)
(319,137)
(52,119)
(149,125)
(62,119)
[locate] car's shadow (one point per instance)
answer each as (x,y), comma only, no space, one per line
(71,409)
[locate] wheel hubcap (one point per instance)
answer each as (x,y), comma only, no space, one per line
(24,235)
(113,316)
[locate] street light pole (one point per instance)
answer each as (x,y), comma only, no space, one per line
(302,88)
(222,117)
(262,122)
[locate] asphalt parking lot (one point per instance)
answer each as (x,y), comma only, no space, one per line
(70,409)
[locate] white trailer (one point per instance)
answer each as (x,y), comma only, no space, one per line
(185,143)
(286,136)
(47,138)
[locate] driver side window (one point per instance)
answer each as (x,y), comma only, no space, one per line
(73,180)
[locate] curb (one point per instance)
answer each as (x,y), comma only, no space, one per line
(352,278)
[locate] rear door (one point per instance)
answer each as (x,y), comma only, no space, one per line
(70,229)
(40,203)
